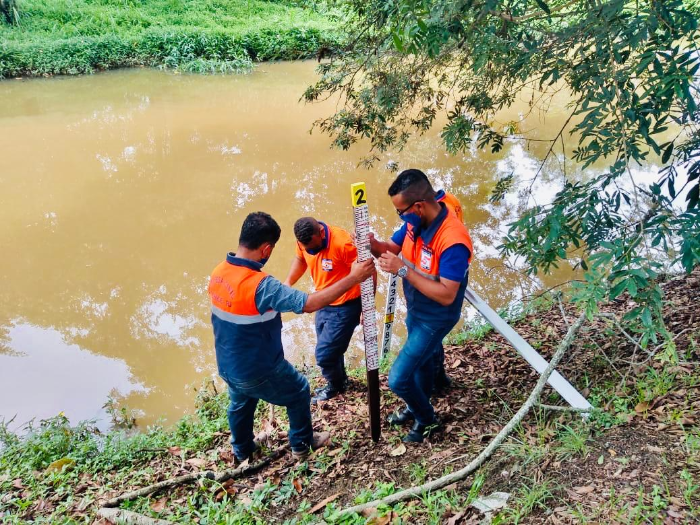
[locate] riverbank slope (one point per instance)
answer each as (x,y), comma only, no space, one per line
(202,36)
(637,460)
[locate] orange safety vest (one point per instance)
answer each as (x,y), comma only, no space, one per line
(453,205)
(248,343)
(425,259)
(332,263)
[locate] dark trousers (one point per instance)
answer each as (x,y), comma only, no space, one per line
(412,375)
(282,386)
(441,378)
(334,328)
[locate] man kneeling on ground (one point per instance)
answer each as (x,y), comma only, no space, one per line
(246,305)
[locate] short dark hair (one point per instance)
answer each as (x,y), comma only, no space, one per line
(305,228)
(413,185)
(258,228)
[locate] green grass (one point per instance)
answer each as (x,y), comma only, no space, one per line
(202,36)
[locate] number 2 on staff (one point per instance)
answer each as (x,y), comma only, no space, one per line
(360,197)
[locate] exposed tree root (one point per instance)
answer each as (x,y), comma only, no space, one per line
(126,516)
(187,478)
(486,453)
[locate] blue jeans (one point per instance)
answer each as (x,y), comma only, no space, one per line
(412,375)
(334,328)
(283,386)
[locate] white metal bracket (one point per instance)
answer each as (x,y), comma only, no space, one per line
(539,363)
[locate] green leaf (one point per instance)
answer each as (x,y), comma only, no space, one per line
(398,44)
(667,153)
(544,6)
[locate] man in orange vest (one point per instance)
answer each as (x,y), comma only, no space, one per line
(431,252)
(246,304)
(328,252)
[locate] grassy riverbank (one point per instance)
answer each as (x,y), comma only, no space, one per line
(82,36)
(637,460)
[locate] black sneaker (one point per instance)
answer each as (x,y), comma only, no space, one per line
(328,392)
(250,458)
(442,384)
(343,388)
(419,432)
(400,417)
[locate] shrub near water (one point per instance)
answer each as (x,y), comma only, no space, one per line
(203,36)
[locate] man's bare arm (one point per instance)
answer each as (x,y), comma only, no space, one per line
(295,271)
(359,272)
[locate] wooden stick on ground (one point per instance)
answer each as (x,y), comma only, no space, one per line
(126,516)
(557,408)
(208,474)
(495,442)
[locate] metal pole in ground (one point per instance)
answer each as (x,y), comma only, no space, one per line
(539,363)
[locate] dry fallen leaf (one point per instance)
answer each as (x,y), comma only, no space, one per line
(197,462)
(323,503)
(371,511)
(399,451)
(18,484)
(381,520)
(226,456)
(297,484)
(586,489)
(158,505)
(456,364)
(175,451)
(454,519)
(641,407)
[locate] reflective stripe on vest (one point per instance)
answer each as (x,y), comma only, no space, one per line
(421,272)
(243,319)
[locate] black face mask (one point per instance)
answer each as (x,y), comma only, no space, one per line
(324,245)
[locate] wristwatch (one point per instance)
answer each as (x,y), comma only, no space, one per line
(403,272)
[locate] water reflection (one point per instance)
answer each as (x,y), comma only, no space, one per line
(120,192)
(42,374)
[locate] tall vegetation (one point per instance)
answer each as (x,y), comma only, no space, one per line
(631,70)
(9,11)
(83,36)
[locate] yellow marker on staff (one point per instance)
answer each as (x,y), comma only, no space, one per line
(359,194)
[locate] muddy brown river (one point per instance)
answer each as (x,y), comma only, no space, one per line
(119,192)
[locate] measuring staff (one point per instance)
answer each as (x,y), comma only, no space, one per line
(431,253)
(328,252)
(246,304)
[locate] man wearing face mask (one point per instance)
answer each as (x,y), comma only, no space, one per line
(431,253)
(328,252)
(246,305)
